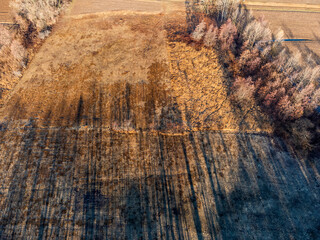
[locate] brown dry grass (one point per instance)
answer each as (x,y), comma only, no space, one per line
(121,65)
(201,90)
(66,175)
(87,55)
(4,11)
(85,7)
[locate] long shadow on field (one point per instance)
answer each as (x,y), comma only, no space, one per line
(205,185)
(141,181)
(303,47)
(11,214)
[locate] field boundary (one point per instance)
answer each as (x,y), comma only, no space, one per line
(149,131)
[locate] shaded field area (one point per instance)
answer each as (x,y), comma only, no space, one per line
(117,131)
(96,184)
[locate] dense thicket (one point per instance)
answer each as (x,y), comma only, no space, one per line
(262,68)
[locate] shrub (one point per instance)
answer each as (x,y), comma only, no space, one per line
(40,14)
(224,9)
(249,62)
(11,50)
(34,19)
(18,51)
(301,133)
(243,89)
(287,110)
(5,36)
(241,17)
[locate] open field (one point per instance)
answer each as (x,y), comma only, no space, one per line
(287,6)
(298,2)
(96,184)
(298,19)
(117,131)
(83,7)
(4,11)
(294,25)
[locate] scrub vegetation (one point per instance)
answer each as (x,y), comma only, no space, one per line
(261,68)
(33,22)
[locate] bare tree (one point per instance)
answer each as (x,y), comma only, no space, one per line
(256,31)
(243,89)
(211,36)
(227,35)
(199,32)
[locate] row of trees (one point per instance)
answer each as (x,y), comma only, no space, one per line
(281,83)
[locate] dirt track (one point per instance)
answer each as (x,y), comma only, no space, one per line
(115,132)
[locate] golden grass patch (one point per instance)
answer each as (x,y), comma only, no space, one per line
(201,89)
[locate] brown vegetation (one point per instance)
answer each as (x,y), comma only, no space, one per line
(262,67)
(73,168)
(33,21)
(36,18)
(12,60)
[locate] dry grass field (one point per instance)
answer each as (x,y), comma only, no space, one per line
(199,85)
(85,7)
(298,19)
(117,131)
(4,11)
(313,2)
(294,25)
(158,83)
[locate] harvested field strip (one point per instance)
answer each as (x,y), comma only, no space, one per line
(98,6)
(284,5)
(283,10)
(296,23)
(5,12)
